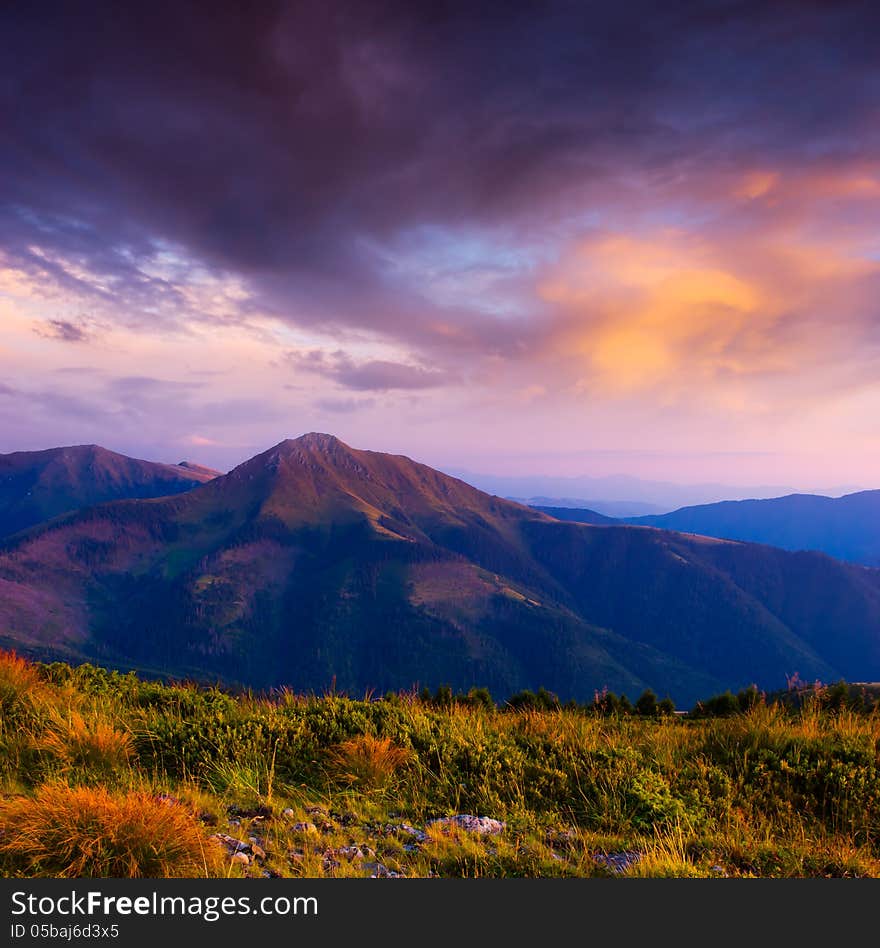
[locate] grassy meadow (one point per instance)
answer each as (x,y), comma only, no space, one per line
(105,774)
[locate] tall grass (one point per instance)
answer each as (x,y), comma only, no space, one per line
(73,832)
(19,686)
(85,747)
(770,789)
(366,762)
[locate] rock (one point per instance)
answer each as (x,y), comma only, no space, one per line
(305,828)
(560,837)
(318,811)
(404,829)
(482,825)
(351,852)
(258,851)
(232,844)
(378,870)
(618,862)
(241,858)
(250,813)
(289,814)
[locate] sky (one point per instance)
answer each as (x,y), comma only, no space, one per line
(556,238)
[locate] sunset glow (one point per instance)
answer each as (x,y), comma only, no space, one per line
(663,262)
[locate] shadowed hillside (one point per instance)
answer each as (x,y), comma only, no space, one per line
(38,485)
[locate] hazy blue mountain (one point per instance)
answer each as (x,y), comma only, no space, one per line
(576,514)
(662,494)
(617,509)
(844,527)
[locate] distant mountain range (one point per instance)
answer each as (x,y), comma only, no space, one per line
(602,492)
(844,527)
(577,515)
(316,564)
(616,509)
(38,485)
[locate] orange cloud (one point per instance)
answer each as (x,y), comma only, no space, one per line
(681,314)
(756,184)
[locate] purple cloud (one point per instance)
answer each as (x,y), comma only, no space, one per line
(64,330)
(372,375)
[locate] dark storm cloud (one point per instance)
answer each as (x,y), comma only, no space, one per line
(293,144)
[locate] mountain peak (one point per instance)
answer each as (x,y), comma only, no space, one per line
(316,447)
(318,441)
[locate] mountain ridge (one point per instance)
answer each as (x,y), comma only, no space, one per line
(314,562)
(847,527)
(38,485)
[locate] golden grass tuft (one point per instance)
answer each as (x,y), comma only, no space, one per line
(19,680)
(86,744)
(366,762)
(81,832)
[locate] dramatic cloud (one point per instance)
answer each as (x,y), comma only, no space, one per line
(565,223)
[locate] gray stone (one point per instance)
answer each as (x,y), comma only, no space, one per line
(232,844)
(618,862)
(350,852)
(405,829)
(378,870)
(482,825)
